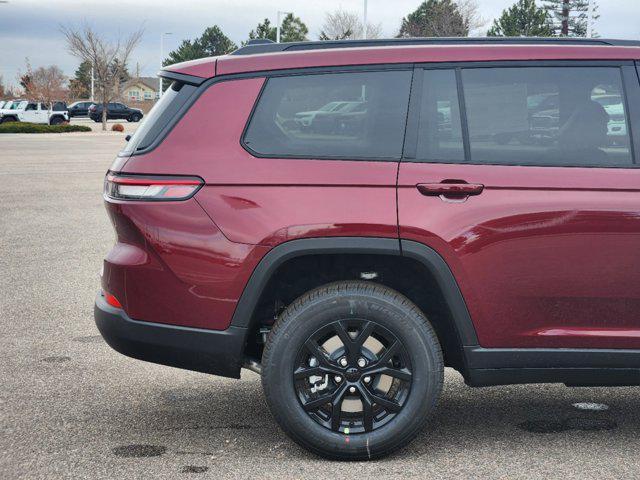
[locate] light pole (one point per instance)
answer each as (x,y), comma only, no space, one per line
(92,82)
(161,60)
(364,21)
(278,25)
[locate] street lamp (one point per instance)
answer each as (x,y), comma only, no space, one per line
(278,25)
(161,60)
(364,21)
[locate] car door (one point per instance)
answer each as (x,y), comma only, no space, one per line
(536,212)
(30,113)
(112,111)
(122,111)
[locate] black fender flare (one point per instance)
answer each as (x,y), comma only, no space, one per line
(434,263)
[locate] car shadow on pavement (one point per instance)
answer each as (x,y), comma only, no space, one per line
(212,419)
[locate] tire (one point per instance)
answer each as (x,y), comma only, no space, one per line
(8,119)
(56,120)
(336,306)
(134,118)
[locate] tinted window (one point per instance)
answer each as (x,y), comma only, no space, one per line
(342,115)
(566,116)
(440,128)
(164,112)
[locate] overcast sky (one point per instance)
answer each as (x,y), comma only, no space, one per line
(30,28)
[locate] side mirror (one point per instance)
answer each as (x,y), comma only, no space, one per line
(127,138)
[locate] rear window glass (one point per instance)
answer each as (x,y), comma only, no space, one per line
(162,113)
(564,116)
(343,115)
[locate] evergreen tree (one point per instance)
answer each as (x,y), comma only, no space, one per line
(80,84)
(523,18)
(211,43)
(292,29)
(264,30)
(435,18)
(570,17)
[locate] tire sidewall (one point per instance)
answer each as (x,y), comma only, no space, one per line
(404,321)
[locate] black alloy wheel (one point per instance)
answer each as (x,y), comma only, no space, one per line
(370,371)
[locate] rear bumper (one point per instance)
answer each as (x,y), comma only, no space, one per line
(219,352)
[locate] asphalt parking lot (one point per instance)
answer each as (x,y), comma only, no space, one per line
(70,407)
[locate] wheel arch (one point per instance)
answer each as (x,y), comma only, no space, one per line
(405,250)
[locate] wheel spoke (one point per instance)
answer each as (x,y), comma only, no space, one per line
(367,408)
(304,372)
(350,348)
(332,398)
(317,403)
(390,405)
(388,354)
(318,353)
(364,334)
(399,373)
(336,409)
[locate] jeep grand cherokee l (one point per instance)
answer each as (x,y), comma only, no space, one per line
(350,266)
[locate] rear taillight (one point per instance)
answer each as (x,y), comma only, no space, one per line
(112,300)
(151,187)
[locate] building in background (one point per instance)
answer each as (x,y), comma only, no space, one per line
(141,89)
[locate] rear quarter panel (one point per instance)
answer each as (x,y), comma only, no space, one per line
(257,203)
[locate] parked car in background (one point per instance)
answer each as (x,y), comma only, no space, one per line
(33,112)
(10,105)
(305,119)
(115,111)
(454,221)
(617,126)
(79,109)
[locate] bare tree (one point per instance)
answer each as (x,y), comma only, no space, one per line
(109,60)
(342,25)
(45,84)
(470,11)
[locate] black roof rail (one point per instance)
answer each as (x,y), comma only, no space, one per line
(260,41)
(262,45)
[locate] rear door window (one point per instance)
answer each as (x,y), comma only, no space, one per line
(557,116)
(440,127)
(359,115)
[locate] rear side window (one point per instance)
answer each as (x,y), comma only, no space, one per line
(335,115)
(564,116)
(161,116)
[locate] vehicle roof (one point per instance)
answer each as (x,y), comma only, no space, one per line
(401,53)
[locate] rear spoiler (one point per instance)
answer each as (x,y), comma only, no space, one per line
(181,77)
(193,72)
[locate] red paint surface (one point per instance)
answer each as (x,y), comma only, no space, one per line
(539,250)
(229,64)
(544,257)
(202,67)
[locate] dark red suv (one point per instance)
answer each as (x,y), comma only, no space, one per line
(348,218)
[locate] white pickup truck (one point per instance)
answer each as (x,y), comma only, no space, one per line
(33,112)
